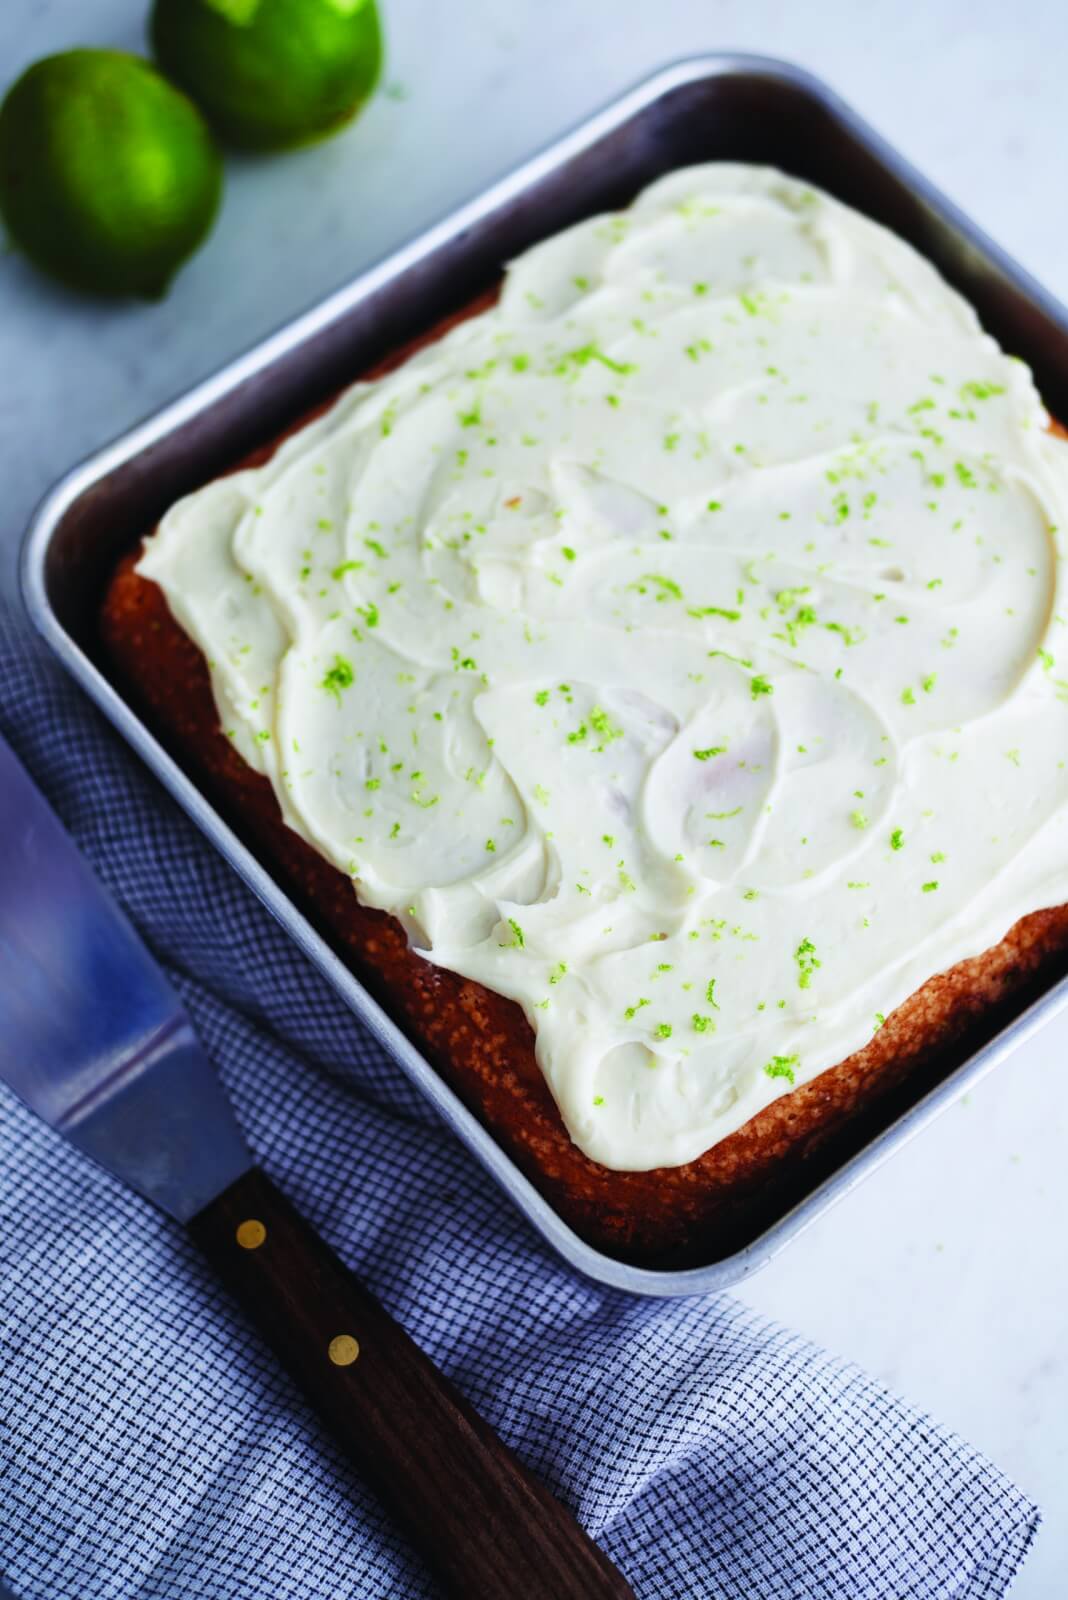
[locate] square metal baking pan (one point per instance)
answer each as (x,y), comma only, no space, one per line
(712,107)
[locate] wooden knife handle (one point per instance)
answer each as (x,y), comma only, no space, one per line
(486,1526)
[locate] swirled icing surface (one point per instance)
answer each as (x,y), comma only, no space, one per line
(675,648)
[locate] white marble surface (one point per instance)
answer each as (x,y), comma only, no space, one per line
(947,1273)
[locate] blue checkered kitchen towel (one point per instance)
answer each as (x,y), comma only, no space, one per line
(150,1449)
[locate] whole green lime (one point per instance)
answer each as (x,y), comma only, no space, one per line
(109,177)
(271,73)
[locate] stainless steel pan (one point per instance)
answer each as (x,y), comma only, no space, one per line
(711,107)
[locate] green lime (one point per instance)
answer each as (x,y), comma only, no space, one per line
(109,177)
(271,73)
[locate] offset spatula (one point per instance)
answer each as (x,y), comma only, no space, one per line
(95,1040)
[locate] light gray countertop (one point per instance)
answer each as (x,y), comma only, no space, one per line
(946,1274)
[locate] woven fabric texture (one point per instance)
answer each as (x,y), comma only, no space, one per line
(150,1449)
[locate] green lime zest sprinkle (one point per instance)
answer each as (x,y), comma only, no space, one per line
(760,685)
(710,994)
(491,846)
(782,1067)
(518,941)
(785,598)
(897,839)
(598,1099)
(666,588)
(702,1024)
(714,505)
(345,566)
(663,1030)
(713,750)
(879,1020)
(542,697)
(859,819)
(929,888)
(632,1011)
(339,676)
(965,475)
(714,611)
(807,962)
(982,391)
(849,636)
(604,727)
(591,352)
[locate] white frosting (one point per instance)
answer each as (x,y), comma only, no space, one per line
(675,648)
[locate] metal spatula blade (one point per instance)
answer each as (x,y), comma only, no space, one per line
(92,1036)
(95,1040)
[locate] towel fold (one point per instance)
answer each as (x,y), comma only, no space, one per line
(151,1449)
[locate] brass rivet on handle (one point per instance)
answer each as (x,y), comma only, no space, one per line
(250,1233)
(343,1350)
